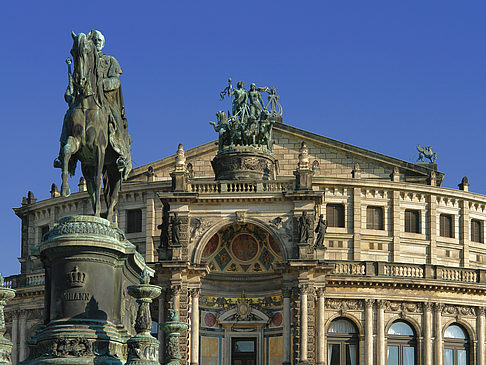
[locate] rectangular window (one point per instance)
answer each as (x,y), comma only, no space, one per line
(476,230)
(335,215)
(134,220)
(374,218)
(446,225)
(412,221)
(43,231)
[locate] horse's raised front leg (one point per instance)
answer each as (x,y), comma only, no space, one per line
(71,147)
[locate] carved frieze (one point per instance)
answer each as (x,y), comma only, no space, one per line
(403,307)
(344,304)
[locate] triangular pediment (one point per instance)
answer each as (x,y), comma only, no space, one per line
(328,157)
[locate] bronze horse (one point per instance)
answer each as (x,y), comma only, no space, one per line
(87,128)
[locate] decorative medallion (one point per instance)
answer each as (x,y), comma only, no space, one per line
(209,319)
(277,319)
(244,247)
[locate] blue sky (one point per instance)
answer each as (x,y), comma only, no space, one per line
(383,75)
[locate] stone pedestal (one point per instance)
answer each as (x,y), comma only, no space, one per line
(303,179)
(244,163)
(88,264)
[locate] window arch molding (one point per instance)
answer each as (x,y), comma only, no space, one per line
(457,350)
(403,348)
(470,332)
(347,316)
(204,239)
(410,321)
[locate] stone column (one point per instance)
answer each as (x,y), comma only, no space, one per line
(22,336)
(369,332)
(287,293)
(161,319)
(481,335)
(195,326)
(303,323)
(15,340)
(380,332)
(321,333)
(438,360)
(428,333)
(175,291)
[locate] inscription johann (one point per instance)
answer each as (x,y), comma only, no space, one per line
(75,296)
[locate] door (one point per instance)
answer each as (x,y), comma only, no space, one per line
(243,351)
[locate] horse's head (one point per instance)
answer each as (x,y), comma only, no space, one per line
(85,58)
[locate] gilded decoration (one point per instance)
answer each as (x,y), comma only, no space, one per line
(241,248)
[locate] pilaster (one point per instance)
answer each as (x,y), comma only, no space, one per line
(380,332)
(432,255)
(369,332)
(397,225)
(357,224)
(438,358)
(427,318)
(480,325)
(464,234)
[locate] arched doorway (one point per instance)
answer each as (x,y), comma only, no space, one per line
(241,298)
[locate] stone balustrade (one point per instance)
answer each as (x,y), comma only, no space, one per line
(216,187)
(410,271)
(24,280)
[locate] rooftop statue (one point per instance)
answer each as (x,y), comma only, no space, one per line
(426,152)
(94,130)
(250,123)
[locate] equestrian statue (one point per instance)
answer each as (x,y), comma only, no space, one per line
(94,130)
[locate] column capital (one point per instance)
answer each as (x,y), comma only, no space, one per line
(320,291)
(381,303)
(287,291)
(369,303)
(438,307)
(427,306)
(195,292)
(480,311)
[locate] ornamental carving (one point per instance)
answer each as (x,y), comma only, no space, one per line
(84,225)
(199,226)
(405,307)
(343,305)
(76,347)
(454,310)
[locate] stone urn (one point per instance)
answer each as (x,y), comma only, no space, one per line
(143,348)
(173,328)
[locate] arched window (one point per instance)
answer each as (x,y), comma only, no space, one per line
(342,339)
(456,346)
(401,344)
